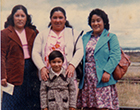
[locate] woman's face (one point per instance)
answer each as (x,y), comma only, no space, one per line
(97,24)
(58,21)
(20,19)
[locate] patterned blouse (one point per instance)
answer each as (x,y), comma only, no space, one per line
(55,42)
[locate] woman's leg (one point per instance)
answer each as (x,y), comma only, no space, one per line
(15,101)
(32,83)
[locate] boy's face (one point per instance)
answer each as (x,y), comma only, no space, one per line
(56,64)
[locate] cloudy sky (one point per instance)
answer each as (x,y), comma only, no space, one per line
(124,15)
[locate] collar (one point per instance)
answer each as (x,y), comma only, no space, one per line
(53,75)
(54,34)
(57,74)
(28,31)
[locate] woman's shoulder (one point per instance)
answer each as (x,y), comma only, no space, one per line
(112,35)
(87,33)
(7,31)
(106,33)
(29,29)
(68,29)
(9,28)
(44,31)
(4,31)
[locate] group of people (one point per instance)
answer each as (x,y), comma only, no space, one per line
(41,65)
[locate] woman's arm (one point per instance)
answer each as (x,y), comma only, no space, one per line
(114,54)
(37,52)
(4,50)
(78,55)
(38,57)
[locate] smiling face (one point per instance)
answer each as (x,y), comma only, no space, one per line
(97,24)
(20,19)
(58,21)
(56,64)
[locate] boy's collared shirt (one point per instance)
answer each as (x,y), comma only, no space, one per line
(56,74)
(61,74)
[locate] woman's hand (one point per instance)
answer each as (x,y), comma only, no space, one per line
(45,108)
(105,77)
(70,71)
(44,73)
(4,82)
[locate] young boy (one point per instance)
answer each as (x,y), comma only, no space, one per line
(58,92)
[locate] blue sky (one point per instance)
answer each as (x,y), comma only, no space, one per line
(124,15)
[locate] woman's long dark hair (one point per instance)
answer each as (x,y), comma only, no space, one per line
(64,13)
(102,14)
(10,19)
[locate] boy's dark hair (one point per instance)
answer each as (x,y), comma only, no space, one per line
(54,54)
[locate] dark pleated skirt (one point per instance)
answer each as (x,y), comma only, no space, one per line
(26,96)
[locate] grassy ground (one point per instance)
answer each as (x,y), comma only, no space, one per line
(129,94)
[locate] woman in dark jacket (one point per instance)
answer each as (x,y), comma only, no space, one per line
(17,67)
